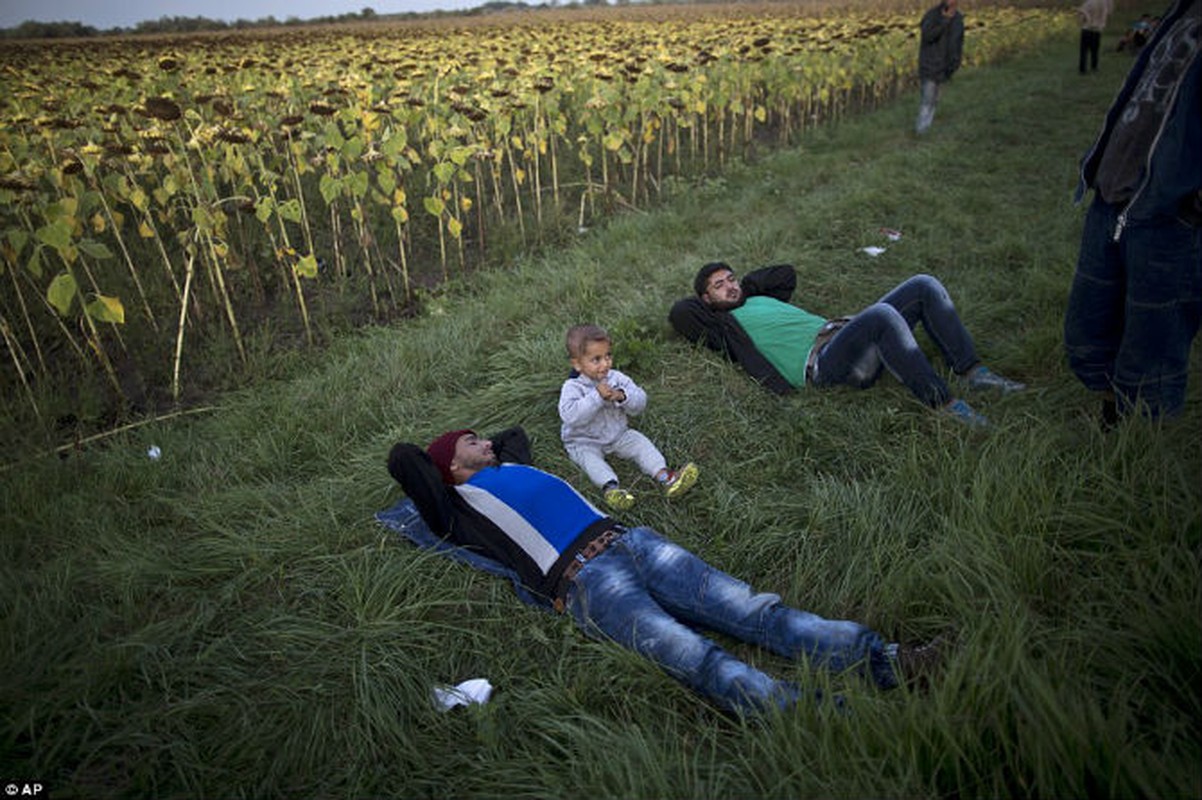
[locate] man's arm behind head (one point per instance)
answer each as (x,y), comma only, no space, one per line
(411,466)
(512,446)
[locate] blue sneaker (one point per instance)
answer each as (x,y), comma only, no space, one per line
(982,377)
(963,412)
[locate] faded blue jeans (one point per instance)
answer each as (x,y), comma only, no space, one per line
(929,91)
(653,597)
(1134,309)
(882,337)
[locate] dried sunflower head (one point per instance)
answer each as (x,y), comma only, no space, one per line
(16,182)
(233,136)
(163,108)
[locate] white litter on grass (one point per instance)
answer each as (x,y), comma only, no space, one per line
(153,452)
(891,234)
(873,251)
(476,690)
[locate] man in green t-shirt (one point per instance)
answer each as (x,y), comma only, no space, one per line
(785,347)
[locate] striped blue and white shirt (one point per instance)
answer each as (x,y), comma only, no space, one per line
(539,512)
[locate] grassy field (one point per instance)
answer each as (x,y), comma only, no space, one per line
(229,620)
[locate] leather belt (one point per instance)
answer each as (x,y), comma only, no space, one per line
(594,548)
(825,334)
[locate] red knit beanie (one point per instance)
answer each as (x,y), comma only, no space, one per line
(442,453)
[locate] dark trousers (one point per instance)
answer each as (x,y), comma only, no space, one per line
(1135,308)
(1091,41)
(881,337)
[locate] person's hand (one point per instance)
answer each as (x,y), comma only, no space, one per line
(610,394)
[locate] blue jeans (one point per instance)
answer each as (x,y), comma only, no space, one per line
(929,91)
(651,595)
(1134,309)
(882,337)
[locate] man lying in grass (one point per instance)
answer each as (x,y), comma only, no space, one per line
(628,585)
(784,348)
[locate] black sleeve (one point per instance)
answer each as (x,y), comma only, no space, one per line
(512,446)
(933,25)
(413,469)
(957,46)
(778,281)
(695,321)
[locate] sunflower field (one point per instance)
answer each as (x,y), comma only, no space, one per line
(160,198)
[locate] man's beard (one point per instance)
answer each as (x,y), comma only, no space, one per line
(726,305)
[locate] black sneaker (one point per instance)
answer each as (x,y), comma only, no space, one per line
(1109,418)
(918,664)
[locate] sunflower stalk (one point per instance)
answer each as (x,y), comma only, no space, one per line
(83,262)
(25,317)
(480,243)
(129,262)
(459,236)
(208,252)
(13,346)
(92,336)
(364,236)
(189,272)
(300,196)
(291,279)
(517,192)
(148,221)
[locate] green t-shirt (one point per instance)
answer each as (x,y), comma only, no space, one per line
(783,333)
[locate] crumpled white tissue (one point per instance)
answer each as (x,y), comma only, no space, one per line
(873,251)
(476,690)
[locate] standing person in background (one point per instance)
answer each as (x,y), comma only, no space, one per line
(1136,301)
(1093,14)
(942,35)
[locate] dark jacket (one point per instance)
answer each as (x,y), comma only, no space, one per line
(449,515)
(720,331)
(1172,173)
(942,45)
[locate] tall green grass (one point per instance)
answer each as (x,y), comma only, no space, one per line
(230,621)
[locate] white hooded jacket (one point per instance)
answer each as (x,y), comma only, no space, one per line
(587,418)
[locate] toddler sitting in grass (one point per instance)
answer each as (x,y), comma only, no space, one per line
(594,403)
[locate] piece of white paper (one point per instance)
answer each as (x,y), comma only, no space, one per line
(873,251)
(476,690)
